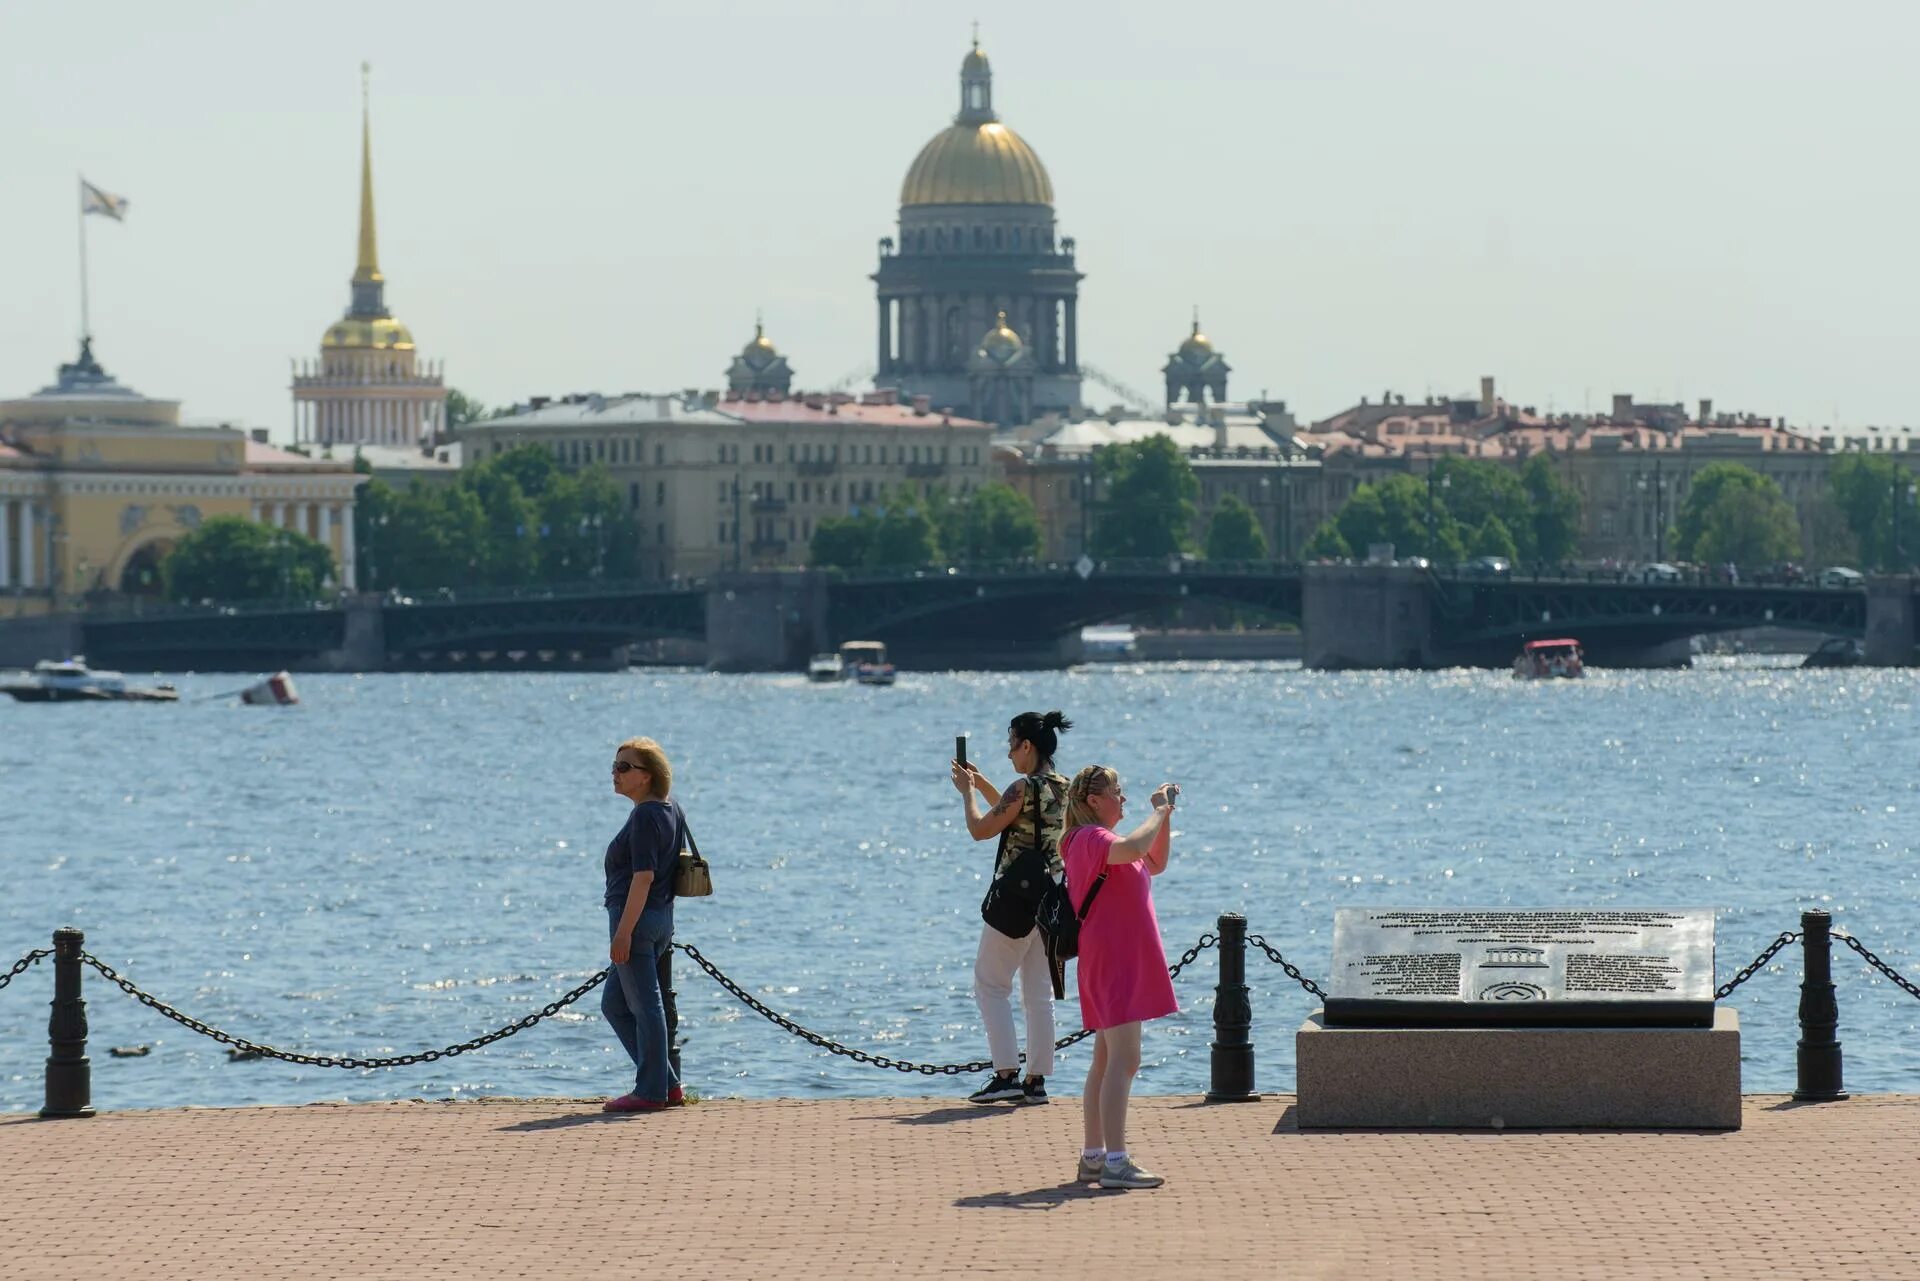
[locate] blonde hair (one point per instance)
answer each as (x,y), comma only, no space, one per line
(653,760)
(1094,780)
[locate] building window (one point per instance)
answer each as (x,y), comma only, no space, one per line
(660,493)
(662,528)
(659,455)
(633,495)
(723,491)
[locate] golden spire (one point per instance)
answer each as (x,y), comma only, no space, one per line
(366,268)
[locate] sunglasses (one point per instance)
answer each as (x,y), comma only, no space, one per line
(621,767)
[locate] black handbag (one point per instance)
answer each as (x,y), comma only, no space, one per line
(1013,897)
(1060,927)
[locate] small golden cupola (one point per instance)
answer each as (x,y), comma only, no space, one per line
(759,367)
(1196,369)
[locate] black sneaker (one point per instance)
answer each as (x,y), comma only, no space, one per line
(1035,1090)
(998,1089)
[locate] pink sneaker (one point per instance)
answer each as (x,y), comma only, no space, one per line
(675,1097)
(632,1103)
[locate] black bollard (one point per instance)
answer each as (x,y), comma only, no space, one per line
(663,970)
(1232,1018)
(1818,1053)
(69,1071)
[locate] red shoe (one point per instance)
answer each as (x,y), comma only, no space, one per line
(675,1097)
(632,1103)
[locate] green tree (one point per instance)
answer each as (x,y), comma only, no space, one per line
(1146,506)
(997,522)
(232,559)
(903,535)
(1234,534)
(1492,538)
(1866,487)
(1733,513)
(1327,544)
(1394,510)
(1475,491)
(1555,514)
(463,409)
(842,542)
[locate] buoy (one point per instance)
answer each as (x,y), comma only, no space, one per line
(276,690)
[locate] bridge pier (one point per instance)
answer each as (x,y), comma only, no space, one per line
(1367,617)
(766,621)
(1891,632)
(25,641)
(364,647)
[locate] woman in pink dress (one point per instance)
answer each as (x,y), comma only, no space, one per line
(1123,967)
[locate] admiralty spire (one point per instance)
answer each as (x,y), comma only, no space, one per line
(369,386)
(975,264)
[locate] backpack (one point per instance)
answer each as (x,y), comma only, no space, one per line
(1060,925)
(1014,895)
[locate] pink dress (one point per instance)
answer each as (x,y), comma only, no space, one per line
(1123,968)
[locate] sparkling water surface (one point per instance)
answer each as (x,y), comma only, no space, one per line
(407,861)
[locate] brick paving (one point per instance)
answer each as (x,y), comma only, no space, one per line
(917,1187)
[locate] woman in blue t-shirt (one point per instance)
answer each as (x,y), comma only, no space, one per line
(640,863)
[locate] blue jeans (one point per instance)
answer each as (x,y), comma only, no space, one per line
(632,1003)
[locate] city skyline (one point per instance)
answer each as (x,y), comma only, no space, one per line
(1669,207)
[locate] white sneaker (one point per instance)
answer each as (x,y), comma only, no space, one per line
(1127,1176)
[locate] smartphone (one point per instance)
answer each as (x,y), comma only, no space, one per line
(960,748)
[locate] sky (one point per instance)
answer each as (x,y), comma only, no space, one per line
(1675,200)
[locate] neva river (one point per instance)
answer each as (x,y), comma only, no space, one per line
(403,862)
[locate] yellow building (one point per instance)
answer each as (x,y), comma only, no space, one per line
(97,484)
(369,386)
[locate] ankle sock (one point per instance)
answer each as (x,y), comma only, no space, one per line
(1093,1154)
(1116,1159)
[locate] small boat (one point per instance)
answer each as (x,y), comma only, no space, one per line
(1837,651)
(72,681)
(271,691)
(1544,660)
(1107,644)
(866,662)
(823,668)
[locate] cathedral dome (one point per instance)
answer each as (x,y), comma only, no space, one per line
(976,160)
(1001,344)
(371,332)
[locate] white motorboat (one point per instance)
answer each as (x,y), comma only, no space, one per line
(72,681)
(824,668)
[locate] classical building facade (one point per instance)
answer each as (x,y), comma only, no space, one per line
(369,385)
(97,484)
(720,481)
(976,242)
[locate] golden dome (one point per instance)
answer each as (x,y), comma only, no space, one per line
(977,164)
(1001,343)
(1197,347)
(368,331)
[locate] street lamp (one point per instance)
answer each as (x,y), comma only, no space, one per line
(1659,510)
(1446,482)
(1266,492)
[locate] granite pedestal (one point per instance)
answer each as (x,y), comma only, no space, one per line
(1503,1077)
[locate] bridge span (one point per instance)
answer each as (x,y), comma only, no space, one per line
(997,616)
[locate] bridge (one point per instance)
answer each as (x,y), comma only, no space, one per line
(996,616)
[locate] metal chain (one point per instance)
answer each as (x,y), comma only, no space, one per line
(832,1046)
(1293,972)
(324,1060)
(22,965)
(1878,964)
(1786,937)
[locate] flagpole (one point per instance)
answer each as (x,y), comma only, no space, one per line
(86,326)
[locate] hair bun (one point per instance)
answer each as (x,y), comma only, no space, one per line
(1057,721)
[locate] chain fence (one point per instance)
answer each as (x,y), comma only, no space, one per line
(256,1049)
(1293,971)
(1894,976)
(858,1055)
(24,964)
(1756,965)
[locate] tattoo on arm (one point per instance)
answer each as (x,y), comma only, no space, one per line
(1009,800)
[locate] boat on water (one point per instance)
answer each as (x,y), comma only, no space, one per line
(1545,660)
(72,681)
(1107,644)
(824,668)
(1837,651)
(865,661)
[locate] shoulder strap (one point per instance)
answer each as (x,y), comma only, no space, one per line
(684,832)
(1086,904)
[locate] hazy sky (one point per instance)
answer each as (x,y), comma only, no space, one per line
(1672,199)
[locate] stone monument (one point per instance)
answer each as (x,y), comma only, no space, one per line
(1500,1017)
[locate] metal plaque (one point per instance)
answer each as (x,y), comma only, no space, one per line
(1500,967)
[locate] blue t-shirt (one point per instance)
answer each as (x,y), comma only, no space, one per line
(648,842)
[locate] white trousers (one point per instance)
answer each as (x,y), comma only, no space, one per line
(993,970)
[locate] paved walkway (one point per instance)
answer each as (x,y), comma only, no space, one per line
(915,1187)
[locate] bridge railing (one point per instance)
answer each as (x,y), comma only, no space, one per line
(1058,569)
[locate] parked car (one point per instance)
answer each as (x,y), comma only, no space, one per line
(1786,573)
(1414,562)
(1841,576)
(1660,572)
(1489,567)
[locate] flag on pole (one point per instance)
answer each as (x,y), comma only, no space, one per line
(94,200)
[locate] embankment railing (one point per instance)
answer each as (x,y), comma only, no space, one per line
(1818,1074)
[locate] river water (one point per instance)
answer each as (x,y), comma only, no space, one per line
(406,861)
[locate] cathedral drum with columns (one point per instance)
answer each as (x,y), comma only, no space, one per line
(975,265)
